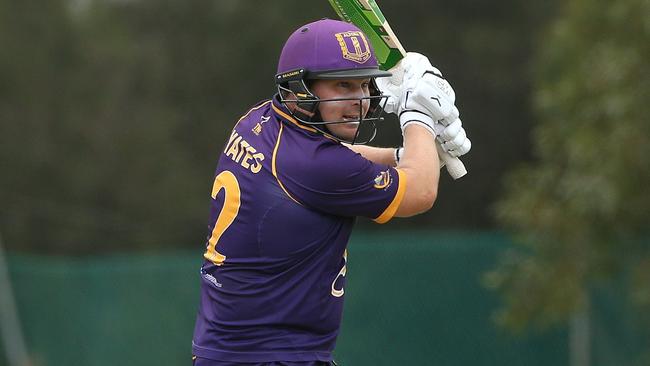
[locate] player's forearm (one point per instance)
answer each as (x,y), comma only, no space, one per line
(378,155)
(422,169)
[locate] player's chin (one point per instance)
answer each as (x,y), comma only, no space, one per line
(349,129)
(345,131)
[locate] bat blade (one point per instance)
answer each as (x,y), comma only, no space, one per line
(366,15)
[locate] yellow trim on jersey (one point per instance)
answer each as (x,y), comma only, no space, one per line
(246,115)
(273,166)
(253,109)
(389,212)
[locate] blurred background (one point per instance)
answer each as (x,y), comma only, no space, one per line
(113,114)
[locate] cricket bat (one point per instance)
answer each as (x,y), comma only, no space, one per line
(366,15)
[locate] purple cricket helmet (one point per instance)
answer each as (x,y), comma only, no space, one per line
(328,49)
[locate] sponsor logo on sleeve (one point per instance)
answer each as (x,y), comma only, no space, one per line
(383,180)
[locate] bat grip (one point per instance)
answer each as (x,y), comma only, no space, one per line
(455,167)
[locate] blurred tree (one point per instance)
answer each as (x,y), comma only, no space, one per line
(582,210)
(113,113)
(92,160)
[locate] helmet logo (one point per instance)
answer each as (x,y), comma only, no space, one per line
(354,46)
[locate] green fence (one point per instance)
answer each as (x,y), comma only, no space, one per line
(411,299)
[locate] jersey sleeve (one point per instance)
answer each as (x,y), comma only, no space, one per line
(336,180)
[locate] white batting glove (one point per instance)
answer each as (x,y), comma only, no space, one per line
(413,66)
(392,87)
(425,103)
(392,91)
(394,104)
(452,137)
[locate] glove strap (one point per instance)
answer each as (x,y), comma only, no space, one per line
(398,154)
(412,116)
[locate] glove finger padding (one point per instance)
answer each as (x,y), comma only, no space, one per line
(456,142)
(392,86)
(451,118)
(459,139)
(414,62)
(452,130)
(390,90)
(398,74)
(457,150)
(467,146)
(416,65)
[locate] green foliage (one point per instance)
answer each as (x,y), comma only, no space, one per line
(582,210)
(112,113)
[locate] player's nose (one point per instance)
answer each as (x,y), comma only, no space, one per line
(358,94)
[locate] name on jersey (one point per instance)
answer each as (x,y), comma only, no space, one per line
(241,152)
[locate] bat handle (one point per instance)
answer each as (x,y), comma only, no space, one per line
(455,167)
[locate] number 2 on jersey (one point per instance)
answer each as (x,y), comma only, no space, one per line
(232,200)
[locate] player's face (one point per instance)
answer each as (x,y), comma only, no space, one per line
(344,110)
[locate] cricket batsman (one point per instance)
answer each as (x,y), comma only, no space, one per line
(289,184)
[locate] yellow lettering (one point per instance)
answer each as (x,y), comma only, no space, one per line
(244,147)
(238,148)
(232,137)
(234,148)
(288,74)
(258,163)
(249,155)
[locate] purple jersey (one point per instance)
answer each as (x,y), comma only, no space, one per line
(284,201)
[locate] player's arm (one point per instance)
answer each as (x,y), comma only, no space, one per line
(421,171)
(421,108)
(378,155)
(450,134)
(418,163)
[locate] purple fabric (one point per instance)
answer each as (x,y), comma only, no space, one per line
(207,362)
(327,45)
(273,298)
